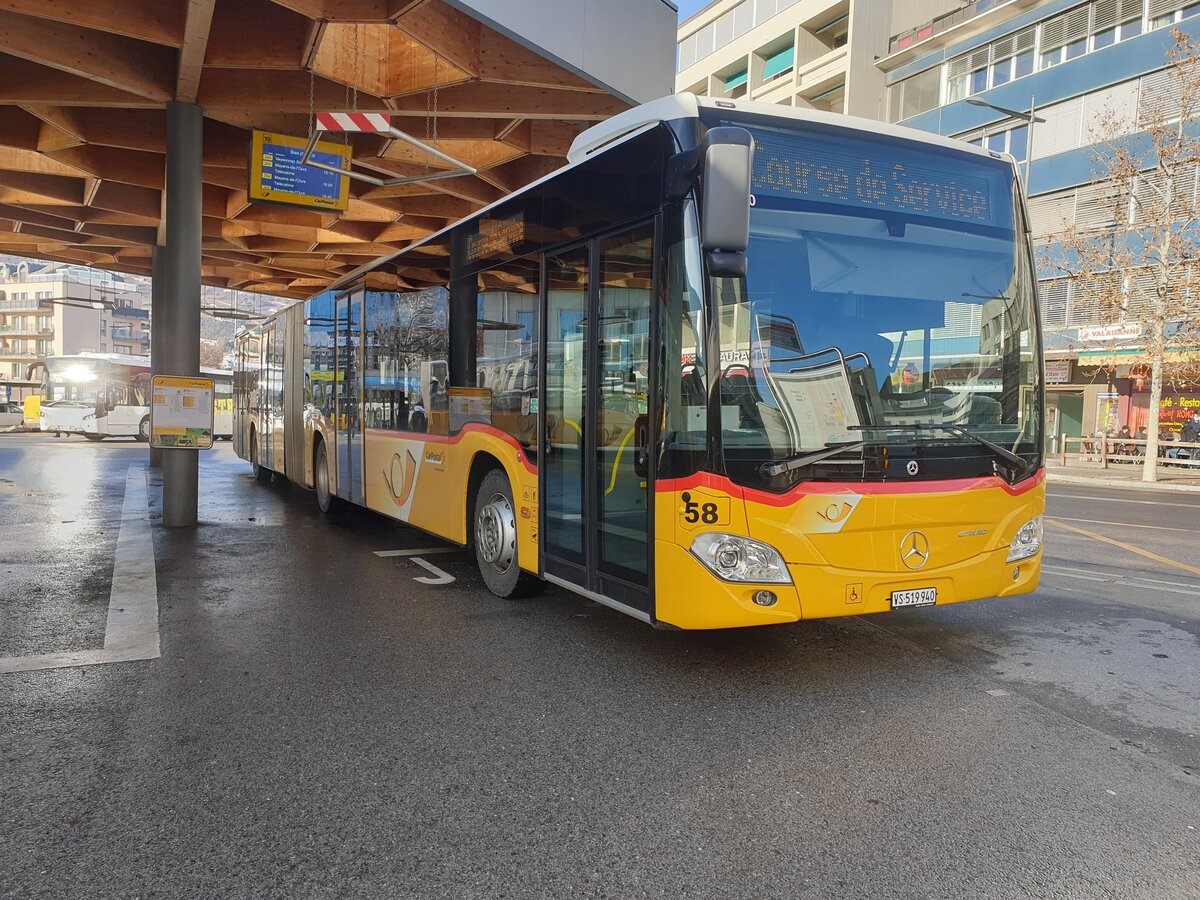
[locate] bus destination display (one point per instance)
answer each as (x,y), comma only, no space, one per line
(882,176)
(278,176)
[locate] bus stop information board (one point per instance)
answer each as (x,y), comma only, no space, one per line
(181,416)
(278,176)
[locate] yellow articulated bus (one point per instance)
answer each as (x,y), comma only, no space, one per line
(734,364)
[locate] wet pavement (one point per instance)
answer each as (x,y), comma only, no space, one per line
(321,724)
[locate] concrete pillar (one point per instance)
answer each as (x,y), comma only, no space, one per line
(180,331)
(157,284)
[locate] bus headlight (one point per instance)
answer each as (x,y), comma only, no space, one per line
(736,558)
(1028,540)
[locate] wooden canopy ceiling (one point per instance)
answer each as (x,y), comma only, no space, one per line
(83,88)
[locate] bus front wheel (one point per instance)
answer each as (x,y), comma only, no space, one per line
(329,504)
(143,434)
(495,533)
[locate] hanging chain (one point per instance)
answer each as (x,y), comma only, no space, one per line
(357,67)
(312,80)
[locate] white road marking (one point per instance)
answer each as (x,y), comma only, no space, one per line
(131,632)
(1068,574)
(1057,496)
(437,577)
(387,554)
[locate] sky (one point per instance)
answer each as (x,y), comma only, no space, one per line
(688,7)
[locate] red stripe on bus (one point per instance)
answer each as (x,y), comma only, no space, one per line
(819,488)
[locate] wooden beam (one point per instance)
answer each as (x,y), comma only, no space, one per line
(128,198)
(195,44)
(355,53)
(134,129)
(19,128)
(505,61)
(450,34)
(112,164)
(28,83)
(236,40)
(109,59)
(274,91)
(514,101)
(148,20)
(412,67)
(30,161)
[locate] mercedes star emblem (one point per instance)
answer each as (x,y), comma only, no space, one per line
(912,467)
(914,550)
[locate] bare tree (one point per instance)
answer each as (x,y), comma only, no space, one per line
(1139,262)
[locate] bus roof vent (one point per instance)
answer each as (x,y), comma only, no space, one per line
(664,109)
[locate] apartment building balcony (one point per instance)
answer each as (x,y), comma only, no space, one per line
(19,356)
(130,312)
(27,331)
(28,305)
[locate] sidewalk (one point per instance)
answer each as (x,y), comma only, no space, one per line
(1124,475)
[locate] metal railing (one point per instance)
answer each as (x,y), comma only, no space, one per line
(31,330)
(942,23)
(1105,451)
(30,304)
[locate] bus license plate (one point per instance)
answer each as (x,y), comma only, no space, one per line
(914,597)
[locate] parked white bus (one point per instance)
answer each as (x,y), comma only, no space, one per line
(103,395)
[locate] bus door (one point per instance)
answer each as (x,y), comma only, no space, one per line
(267,388)
(347,421)
(596,481)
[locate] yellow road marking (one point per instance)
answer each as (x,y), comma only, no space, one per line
(1132,549)
(1122,524)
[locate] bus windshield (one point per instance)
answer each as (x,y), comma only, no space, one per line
(73,380)
(889,302)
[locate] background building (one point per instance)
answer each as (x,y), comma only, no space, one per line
(49,309)
(1081,64)
(817,54)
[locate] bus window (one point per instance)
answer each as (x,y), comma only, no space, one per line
(685,393)
(506,346)
(406,348)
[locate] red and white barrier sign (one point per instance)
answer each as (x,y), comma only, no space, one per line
(352,121)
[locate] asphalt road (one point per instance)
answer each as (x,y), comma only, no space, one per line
(320,724)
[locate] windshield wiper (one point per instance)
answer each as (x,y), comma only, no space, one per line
(1017,466)
(770,470)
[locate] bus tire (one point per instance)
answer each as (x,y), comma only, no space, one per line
(330,504)
(143,434)
(494,529)
(261,473)
(94,437)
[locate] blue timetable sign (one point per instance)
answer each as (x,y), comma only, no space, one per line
(278,176)
(884,174)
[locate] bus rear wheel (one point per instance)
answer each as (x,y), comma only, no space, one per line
(329,504)
(495,533)
(143,434)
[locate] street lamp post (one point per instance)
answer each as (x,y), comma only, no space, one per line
(1029,118)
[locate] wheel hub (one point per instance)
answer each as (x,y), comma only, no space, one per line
(496,533)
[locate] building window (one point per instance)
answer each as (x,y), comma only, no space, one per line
(914,95)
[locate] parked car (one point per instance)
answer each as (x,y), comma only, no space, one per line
(11,413)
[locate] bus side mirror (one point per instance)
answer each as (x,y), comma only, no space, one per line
(725,217)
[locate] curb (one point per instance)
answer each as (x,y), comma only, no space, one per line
(1126,485)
